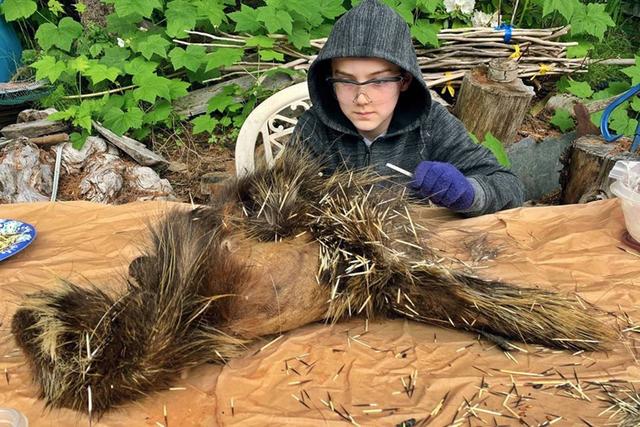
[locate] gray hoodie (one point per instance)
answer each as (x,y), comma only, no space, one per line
(419,130)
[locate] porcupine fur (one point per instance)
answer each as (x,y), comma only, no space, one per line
(180,306)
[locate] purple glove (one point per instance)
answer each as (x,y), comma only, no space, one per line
(443,184)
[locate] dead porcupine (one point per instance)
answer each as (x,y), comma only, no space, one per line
(197,296)
(85,342)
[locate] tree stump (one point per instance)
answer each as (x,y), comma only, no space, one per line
(587,163)
(488,106)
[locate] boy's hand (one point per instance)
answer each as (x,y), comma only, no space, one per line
(443,184)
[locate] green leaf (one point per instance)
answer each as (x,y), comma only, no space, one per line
(331,8)
(160,113)
(213,10)
(154,44)
(220,103)
(140,65)
(120,121)
(300,38)
(79,64)
(17,9)
(191,58)
(142,8)
(579,51)
(181,17)
(580,89)
(203,123)
(563,120)
(116,57)
(78,139)
(49,68)
(633,72)
(100,72)
(635,104)
(223,57)
(271,55)
(426,32)
(495,146)
(177,88)
(275,19)
(260,41)
(428,6)
(309,10)
(591,19)
(80,7)
(566,8)
(620,121)
(62,36)
(406,12)
(55,7)
(246,19)
(151,86)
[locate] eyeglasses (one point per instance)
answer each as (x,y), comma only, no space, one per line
(375,90)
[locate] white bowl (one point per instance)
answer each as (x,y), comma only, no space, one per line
(630,207)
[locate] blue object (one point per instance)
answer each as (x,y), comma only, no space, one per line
(26,233)
(507,31)
(443,184)
(604,121)
(10,50)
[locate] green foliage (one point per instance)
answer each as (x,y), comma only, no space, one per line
(16,9)
(495,146)
(633,72)
(128,74)
(563,120)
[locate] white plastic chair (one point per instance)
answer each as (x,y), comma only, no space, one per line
(273,121)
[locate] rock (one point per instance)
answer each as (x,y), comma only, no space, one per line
(147,180)
(31,115)
(133,148)
(73,161)
(33,129)
(177,167)
(104,178)
(26,174)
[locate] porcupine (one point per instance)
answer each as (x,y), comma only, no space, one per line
(216,277)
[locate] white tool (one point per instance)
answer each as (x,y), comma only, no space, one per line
(400,170)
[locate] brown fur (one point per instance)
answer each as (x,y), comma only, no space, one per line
(217,277)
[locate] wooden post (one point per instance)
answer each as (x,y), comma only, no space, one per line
(485,105)
(585,176)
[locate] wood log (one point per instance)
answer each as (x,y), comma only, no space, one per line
(585,175)
(33,129)
(133,148)
(487,106)
(50,139)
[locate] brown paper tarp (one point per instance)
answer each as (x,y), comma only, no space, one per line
(459,379)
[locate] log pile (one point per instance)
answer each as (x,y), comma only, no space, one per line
(39,163)
(461,49)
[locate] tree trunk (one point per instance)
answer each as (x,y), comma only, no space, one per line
(585,176)
(497,107)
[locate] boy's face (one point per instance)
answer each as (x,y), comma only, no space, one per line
(369,107)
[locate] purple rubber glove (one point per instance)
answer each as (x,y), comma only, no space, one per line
(443,184)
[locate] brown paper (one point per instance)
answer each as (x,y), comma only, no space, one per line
(564,248)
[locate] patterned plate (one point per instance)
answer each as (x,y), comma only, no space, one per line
(19,233)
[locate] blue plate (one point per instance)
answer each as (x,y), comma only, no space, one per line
(24,235)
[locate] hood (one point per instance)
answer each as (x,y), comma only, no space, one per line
(371,29)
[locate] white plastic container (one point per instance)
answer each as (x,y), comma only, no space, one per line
(12,418)
(630,207)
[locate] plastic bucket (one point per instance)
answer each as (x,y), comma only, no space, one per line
(12,418)
(630,207)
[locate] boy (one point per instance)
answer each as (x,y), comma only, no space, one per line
(371,107)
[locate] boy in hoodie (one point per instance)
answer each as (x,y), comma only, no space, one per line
(371,107)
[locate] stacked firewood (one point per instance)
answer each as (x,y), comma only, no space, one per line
(537,51)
